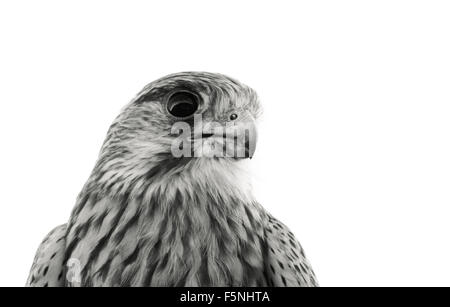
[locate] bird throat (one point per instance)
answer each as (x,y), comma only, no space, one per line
(199,227)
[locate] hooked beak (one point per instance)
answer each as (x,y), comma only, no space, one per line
(237,139)
(246,133)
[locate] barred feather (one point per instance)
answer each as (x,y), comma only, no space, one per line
(145,218)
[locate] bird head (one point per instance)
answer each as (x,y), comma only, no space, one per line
(181,121)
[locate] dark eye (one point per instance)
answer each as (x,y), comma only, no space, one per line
(233,116)
(182,104)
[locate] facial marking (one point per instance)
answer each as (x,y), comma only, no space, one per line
(140,143)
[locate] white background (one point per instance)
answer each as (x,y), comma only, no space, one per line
(354,151)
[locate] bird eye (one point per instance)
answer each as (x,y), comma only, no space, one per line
(182,104)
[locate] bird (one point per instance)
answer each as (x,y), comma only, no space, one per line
(167,204)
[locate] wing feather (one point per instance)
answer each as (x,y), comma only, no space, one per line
(285,263)
(48,269)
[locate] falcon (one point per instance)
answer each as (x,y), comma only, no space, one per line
(169,201)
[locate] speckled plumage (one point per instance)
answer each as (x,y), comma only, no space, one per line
(146,218)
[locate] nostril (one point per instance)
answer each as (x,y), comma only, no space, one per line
(233,116)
